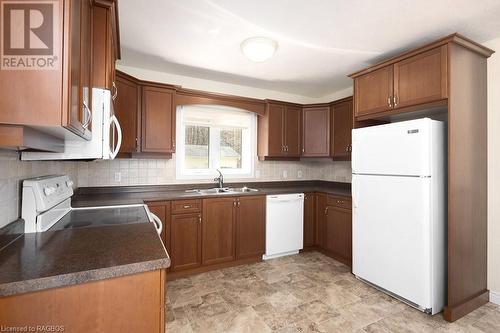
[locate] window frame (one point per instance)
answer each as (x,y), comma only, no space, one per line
(248,158)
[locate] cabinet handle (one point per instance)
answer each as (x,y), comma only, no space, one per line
(137,144)
(395,101)
(326,210)
(88,115)
(187,206)
(389,102)
(115,93)
(239,203)
(234,203)
(199,218)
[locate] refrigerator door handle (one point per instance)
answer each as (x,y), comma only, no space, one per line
(354,191)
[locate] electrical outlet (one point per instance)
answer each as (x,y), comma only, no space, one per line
(118,177)
(285,174)
(299,174)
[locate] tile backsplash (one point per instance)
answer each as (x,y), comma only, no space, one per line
(13,171)
(122,172)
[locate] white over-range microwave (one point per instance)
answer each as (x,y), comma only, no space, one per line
(106,135)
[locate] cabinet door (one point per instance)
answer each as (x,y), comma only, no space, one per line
(250,227)
(309,219)
(293,123)
(126,108)
(103,51)
(218,230)
(162,210)
(276,130)
(421,79)
(320,220)
(342,127)
(373,91)
(80,54)
(157,120)
(338,233)
(185,241)
(316,132)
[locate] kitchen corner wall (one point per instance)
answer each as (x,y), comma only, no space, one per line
(122,172)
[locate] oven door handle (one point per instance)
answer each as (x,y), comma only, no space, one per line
(157,222)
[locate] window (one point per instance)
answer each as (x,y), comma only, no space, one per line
(215,137)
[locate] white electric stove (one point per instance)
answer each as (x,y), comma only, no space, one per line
(46,205)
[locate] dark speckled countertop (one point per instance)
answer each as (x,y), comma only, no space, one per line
(66,257)
(101,196)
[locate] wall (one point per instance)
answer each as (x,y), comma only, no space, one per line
(12,171)
(494,170)
(147,172)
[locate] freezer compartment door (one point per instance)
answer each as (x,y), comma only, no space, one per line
(391,235)
(394,149)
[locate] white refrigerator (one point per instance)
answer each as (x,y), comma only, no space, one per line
(399,210)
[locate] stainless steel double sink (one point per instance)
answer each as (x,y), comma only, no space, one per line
(223,190)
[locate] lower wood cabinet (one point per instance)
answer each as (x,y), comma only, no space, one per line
(127,304)
(333,226)
(185,241)
(250,227)
(321,207)
(309,219)
(214,232)
(162,210)
(218,230)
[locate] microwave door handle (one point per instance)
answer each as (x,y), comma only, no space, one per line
(114,120)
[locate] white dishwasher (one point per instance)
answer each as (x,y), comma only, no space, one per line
(284,225)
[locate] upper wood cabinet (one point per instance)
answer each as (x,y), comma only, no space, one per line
(158,120)
(147,117)
(279,131)
(127,110)
(218,230)
(106,44)
(341,123)
(316,131)
(59,93)
(421,78)
(250,227)
(293,121)
(373,91)
(418,79)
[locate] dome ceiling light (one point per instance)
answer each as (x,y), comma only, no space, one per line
(259,49)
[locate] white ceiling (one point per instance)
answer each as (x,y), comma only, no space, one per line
(320,41)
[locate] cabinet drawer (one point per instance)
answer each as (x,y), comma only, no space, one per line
(340,202)
(186,206)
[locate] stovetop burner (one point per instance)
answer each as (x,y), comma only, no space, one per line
(93,217)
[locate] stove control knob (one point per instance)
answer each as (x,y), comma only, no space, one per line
(49,190)
(69,183)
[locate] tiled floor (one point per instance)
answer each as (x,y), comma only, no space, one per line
(303,293)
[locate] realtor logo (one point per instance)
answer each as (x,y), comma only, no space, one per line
(29,32)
